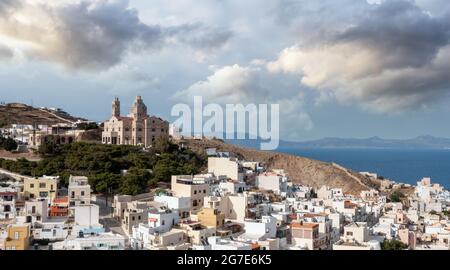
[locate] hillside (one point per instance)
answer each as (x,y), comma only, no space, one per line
(301,170)
(21,113)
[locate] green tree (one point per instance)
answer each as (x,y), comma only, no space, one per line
(396,196)
(393,245)
(87,126)
(49,148)
(8,144)
(105,182)
(164,145)
(135,181)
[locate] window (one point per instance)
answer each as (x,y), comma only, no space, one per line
(349,233)
(51,187)
(72,195)
(82,193)
(132,218)
(16,235)
(204,191)
(33,209)
(163,222)
(139,217)
(195,191)
(153,130)
(31,185)
(42,185)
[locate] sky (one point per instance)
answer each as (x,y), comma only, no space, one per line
(338,68)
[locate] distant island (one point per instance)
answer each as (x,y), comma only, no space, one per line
(422,142)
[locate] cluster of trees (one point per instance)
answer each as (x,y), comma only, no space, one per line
(8,144)
(112,168)
(87,126)
(396,196)
(393,245)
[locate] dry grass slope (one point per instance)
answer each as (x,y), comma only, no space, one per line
(301,170)
(20,113)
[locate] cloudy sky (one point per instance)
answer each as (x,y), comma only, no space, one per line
(344,68)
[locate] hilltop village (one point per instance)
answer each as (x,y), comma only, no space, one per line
(232,204)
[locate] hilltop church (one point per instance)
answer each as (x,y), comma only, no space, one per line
(138,128)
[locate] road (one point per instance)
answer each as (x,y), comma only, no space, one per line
(106,217)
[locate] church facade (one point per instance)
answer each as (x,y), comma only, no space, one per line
(138,128)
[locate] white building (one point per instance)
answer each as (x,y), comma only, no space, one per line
(225,166)
(226,244)
(272,181)
(326,192)
(79,190)
(51,230)
(8,197)
(232,186)
(181,204)
(87,216)
(162,219)
(258,230)
(101,241)
(36,211)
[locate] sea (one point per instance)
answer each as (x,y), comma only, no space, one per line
(403,166)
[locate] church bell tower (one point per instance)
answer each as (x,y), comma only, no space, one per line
(116,107)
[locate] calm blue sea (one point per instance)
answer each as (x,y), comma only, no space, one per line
(407,166)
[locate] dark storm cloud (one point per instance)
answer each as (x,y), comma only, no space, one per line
(395,57)
(198,35)
(401,33)
(5,52)
(7,5)
(97,34)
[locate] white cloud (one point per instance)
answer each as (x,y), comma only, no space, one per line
(243,85)
(394,59)
(229,84)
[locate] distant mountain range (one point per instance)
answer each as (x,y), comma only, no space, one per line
(421,142)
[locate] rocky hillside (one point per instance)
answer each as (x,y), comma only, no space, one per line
(21,113)
(301,170)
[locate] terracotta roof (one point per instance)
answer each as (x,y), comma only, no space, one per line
(304,225)
(20,203)
(61,200)
(8,193)
(314,215)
